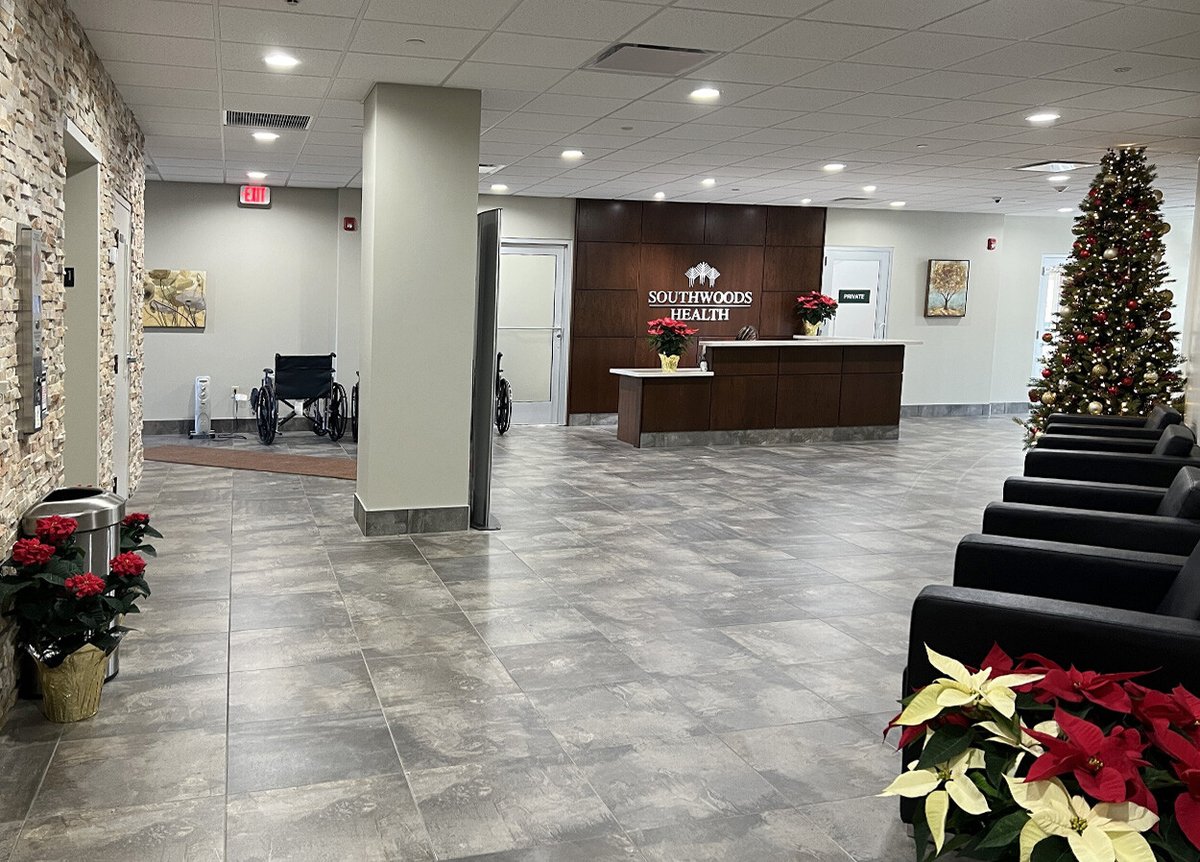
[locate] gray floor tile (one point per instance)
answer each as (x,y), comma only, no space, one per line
(686,651)
(303,691)
(397,636)
(404,679)
(610,848)
(286,610)
(255,649)
(173,656)
(361,819)
(773,836)
(868,828)
(797,641)
(566,664)
(511,626)
(131,705)
(762,695)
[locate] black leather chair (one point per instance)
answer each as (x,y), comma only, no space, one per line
(1179,497)
(1156,420)
(1175,448)
(1171,436)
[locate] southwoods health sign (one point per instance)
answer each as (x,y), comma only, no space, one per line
(696,303)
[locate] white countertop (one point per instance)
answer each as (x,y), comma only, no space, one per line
(656,372)
(810,341)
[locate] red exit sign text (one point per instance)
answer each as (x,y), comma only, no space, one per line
(255,196)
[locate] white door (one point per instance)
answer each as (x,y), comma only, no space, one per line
(123,357)
(858,278)
(1049,297)
(530,322)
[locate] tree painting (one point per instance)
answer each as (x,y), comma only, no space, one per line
(946,293)
(173,299)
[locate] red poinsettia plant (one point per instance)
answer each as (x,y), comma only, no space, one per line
(815,307)
(668,336)
(58,606)
(1028,761)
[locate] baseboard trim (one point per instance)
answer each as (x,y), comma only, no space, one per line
(768,436)
(164,427)
(993,408)
(592,419)
(401,522)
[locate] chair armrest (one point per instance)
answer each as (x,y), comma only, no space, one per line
(1088,419)
(1113,467)
(964,623)
(1095,444)
(1074,494)
(1153,533)
(1133,580)
(1066,429)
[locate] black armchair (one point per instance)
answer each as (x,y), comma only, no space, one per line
(1175,440)
(1157,419)
(1157,468)
(1154,533)
(1181,499)
(1063,429)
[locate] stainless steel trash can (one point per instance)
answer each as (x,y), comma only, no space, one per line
(99,514)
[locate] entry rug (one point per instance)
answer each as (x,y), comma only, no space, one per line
(237,459)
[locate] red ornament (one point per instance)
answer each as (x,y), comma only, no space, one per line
(1126,381)
(1085,253)
(1046,373)
(1166,315)
(1047,337)
(1132,305)
(1128,202)
(1100,316)
(1130,325)
(1034,395)
(1147,234)
(1112,390)
(1067,360)
(1081,338)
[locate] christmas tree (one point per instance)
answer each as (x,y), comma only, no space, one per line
(1114,346)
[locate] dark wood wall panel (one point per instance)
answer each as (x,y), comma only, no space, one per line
(808,400)
(676,405)
(811,360)
(673,223)
(737,360)
(629,403)
(743,402)
(632,248)
(870,399)
(883,359)
(607,265)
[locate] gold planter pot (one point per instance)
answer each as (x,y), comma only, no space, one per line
(810,328)
(670,364)
(71,691)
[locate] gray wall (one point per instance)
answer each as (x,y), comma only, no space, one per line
(272,288)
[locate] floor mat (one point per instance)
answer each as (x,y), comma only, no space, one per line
(238,459)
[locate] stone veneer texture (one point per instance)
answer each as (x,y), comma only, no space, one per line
(49,73)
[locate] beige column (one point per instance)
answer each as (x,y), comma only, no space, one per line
(1190,336)
(420,188)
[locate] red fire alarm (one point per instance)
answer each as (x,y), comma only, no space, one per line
(350,223)
(991,243)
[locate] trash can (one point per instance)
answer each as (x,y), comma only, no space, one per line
(99,514)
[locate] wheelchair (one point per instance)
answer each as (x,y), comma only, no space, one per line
(308,379)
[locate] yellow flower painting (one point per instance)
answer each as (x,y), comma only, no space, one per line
(174,299)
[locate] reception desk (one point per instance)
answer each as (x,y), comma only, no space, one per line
(760,392)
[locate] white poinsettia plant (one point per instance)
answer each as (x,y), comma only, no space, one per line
(1028,761)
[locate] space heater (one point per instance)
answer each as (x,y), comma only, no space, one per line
(202,412)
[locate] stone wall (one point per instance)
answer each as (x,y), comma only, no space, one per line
(49,73)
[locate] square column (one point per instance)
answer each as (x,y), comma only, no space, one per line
(420,188)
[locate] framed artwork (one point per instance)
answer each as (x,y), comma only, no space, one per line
(174,299)
(946,290)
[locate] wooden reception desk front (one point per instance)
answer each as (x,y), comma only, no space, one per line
(761,392)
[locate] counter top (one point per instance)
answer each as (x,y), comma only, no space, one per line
(656,372)
(810,341)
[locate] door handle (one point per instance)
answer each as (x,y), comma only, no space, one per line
(130,359)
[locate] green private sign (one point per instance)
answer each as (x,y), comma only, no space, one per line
(854,297)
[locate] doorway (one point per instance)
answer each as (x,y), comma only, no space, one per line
(123,355)
(860,280)
(1049,297)
(531,328)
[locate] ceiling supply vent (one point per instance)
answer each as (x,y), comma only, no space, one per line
(649,59)
(1054,167)
(486,170)
(260,120)
(850,200)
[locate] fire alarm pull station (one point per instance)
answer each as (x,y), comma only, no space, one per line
(31,371)
(349,223)
(991,243)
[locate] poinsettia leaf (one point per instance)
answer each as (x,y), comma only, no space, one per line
(946,742)
(1004,831)
(149,550)
(1053,849)
(981,781)
(995,763)
(922,837)
(150,531)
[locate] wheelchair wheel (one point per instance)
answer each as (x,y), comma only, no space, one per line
(354,412)
(337,412)
(503,406)
(266,410)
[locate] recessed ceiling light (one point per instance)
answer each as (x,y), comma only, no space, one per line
(256,175)
(1043,117)
(499,187)
(573,155)
(805,201)
(1058,178)
(1066,209)
(868,189)
(704,94)
(280,60)
(834,167)
(896,204)
(708,181)
(658,196)
(265,137)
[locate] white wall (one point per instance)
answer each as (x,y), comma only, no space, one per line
(272,287)
(532,218)
(349,286)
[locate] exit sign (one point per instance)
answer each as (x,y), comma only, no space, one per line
(255,196)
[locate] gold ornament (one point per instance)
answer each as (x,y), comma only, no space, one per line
(1148,332)
(1151,378)
(1158,195)
(1109,179)
(1048,398)
(1094,216)
(1110,254)
(1099,370)
(1164,228)
(1167,295)
(1095,407)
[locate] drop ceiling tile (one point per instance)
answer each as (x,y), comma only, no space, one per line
(1123,122)
(906,14)
(182,130)
(282,29)
(196,116)
(243,57)
(680,90)
(1188,128)
(907,127)
(1032,58)
(989,148)
(848,141)
(356,89)
(782,137)
(931,50)
(1188,106)
(950,85)
(553,53)
(748,117)
(884,105)
(345,108)
(754,69)
(1127,28)
(822,122)
(185,164)
(672,112)
(795,99)
(599,19)
(578,106)
(169,98)
(608,142)
(613,85)
(336,124)
(543,122)
(1121,99)
(417,40)
(1187,79)
(156,75)
(348,153)
(711,31)
(1038,92)
(395,69)
(183,147)
(1182,46)
(1020,19)
(635,129)
(963,111)
(263,83)
(156,17)
(506,100)
(819,41)
(702,132)
(743,149)
(484,14)
(308,7)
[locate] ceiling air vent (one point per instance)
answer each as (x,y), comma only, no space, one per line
(1054,167)
(649,59)
(487,170)
(267,121)
(850,200)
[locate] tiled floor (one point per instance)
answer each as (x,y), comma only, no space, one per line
(664,655)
